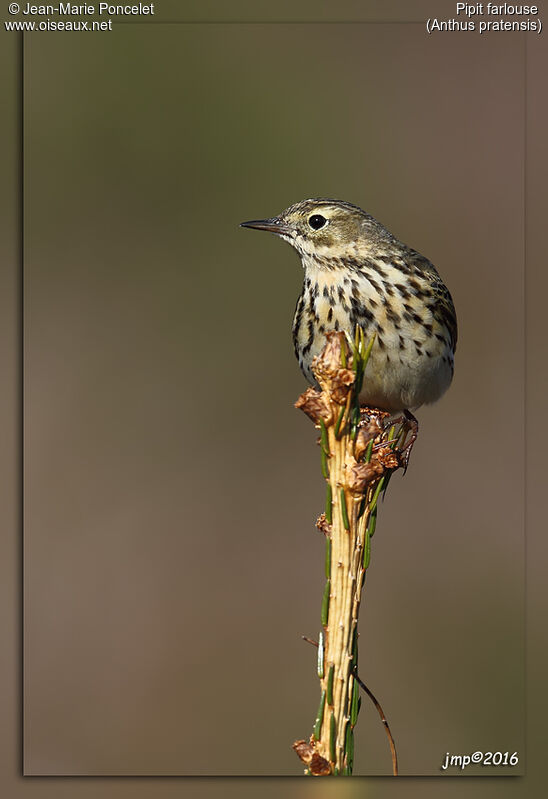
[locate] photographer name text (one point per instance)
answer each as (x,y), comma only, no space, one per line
(71,10)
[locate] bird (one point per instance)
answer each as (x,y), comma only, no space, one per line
(357,273)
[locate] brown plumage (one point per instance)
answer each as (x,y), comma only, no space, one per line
(357,273)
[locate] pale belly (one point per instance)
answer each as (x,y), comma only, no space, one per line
(408,367)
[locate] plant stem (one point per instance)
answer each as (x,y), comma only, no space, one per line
(359,452)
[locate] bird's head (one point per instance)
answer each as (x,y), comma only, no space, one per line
(324,228)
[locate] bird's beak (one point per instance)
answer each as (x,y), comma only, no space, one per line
(273,225)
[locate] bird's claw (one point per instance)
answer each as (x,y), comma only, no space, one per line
(411,425)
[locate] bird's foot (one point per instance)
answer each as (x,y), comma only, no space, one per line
(410,425)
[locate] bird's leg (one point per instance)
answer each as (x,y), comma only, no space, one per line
(411,425)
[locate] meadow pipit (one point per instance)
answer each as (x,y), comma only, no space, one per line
(357,273)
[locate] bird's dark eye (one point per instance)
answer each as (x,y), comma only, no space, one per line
(317,221)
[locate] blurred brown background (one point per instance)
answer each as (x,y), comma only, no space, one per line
(166,582)
(171,559)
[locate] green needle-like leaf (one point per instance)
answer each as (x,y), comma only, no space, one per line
(330,676)
(371,527)
(332,738)
(339,421)
(356,342)
(362,341)
(325,440)
(355,647)
(367,352)
(344,511)
(325,603)
(325,470)
(319,718)
(367,550)
(349,748)
(328,504)
(321,639)
(355,706)
(377,492)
